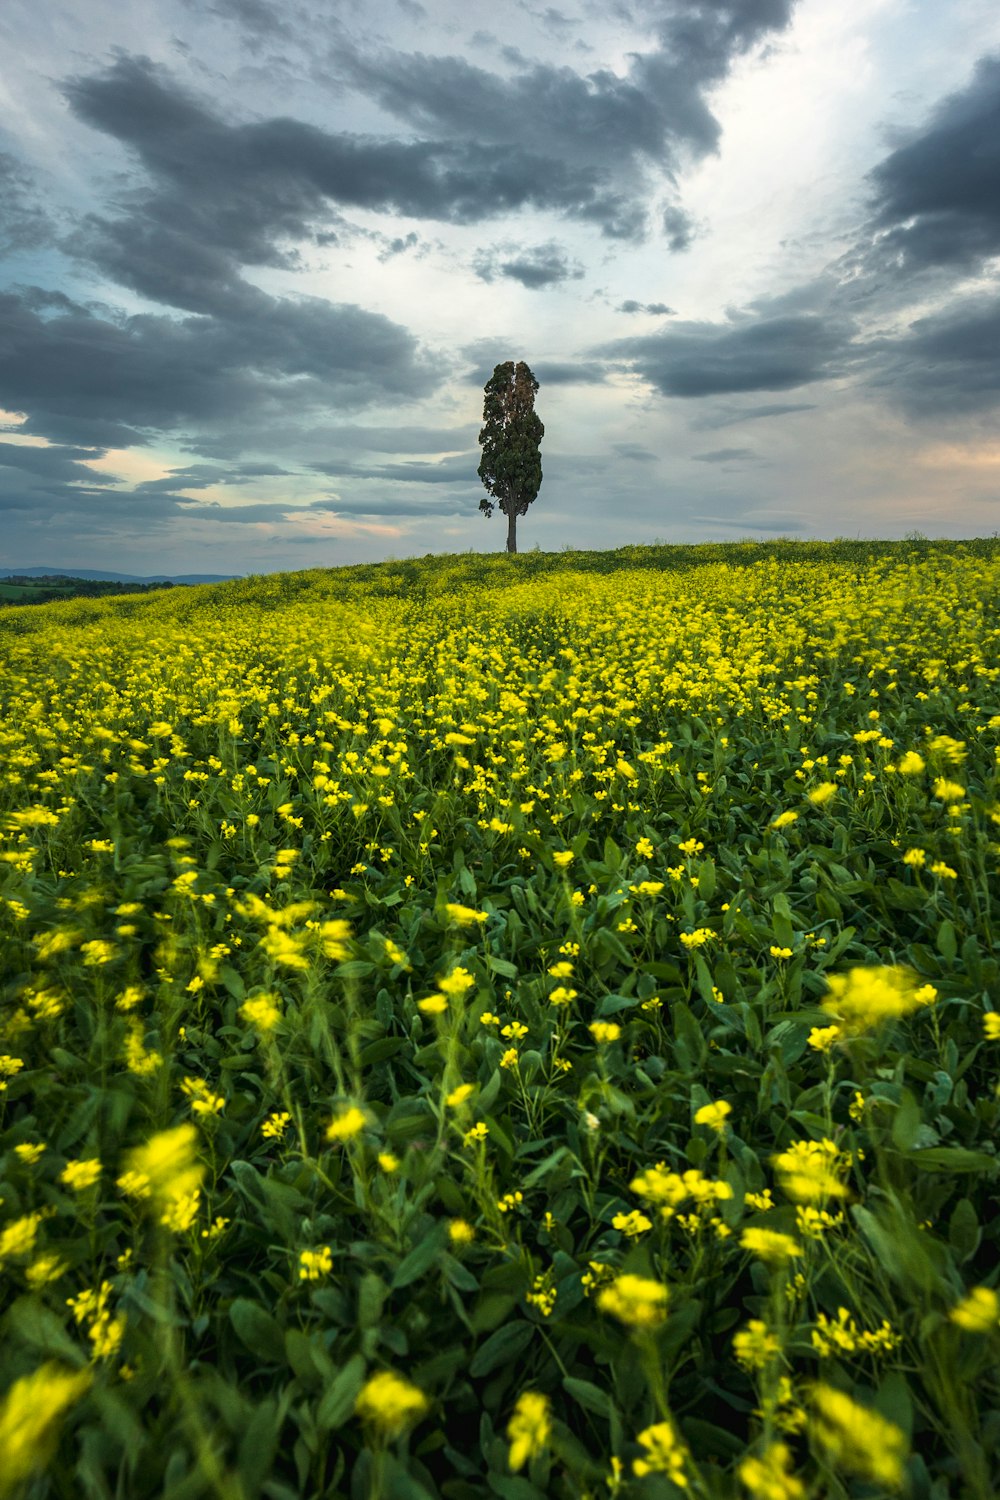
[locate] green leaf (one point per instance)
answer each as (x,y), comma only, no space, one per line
(952,1159)
(947,942)
(419,1260)
(508,1343)
(589,1396)
(258,1330)
(337,1401)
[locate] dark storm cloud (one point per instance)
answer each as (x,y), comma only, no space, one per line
(732,418)
(534,266)
(755,354)
(724,455)
(608,128)
(656,309)
(946,364)
(85,379)
(23,224)
(409,506)
(678,227)
(938,197)
(458,469)
(63,463)
(226,195)
(635,453)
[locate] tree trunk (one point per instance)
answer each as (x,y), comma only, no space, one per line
(512,529)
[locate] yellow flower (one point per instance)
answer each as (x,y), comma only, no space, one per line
(806,1171)
(479,1132)
(465,916)
(528,1428)
(28,1153)
(80,1175)
(604,1031)
(30,1414)
(561,995)
(460,1232)
(275,1125)
(911,764)
(769,1477)
(755,1345)
(858,1438)
(915,858)
(784,819)
(261,1011)
(943,871)
(561,970)
(433,1005)
(635,1300)
(713,1115)
(562,858)
(164,1168)
(865,997)
(509,1059)
(644,848)
(823,1037)
(457,983)
(387,1161)
(665,1454)
(348,1124)
(770,1245)
(948,791)
(631,1224)
(991,1026)
(460,1094)
(315,1264)
(389,1403)
(821,795)
(979,1312)
(780,952)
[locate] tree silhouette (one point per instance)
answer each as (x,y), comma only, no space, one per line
(511,467)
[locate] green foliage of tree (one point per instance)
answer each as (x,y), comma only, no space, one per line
(511,467)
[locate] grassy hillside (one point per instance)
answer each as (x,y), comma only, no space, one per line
(517,1026)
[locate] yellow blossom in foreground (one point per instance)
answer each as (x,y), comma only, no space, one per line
(561,995)
(460,1232)
(755,1345)
(822,1038)
(275,1125)
(783,820)
(528,1428)
(769,1477)
(465,916)
(713,1115)
(28,1153)
(991,1026)
(915,858)
(857,1438)
(30,1414)
(262,1011)
(631,1224)
(604,1031)
(865,997)
(315,1264)
(807,1171)
(80,1175)
(822,794)
(562,858)
(665,1454)
(770,1245)
(459,1095)
(390,1403)
(349,1123)
(433,1005)
(979,1312)
(165,1168)
(388,1162)
(635,1300)
(911,764)
(457,983)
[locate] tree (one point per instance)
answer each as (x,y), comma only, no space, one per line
(511,467)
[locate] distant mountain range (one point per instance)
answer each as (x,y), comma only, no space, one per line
(96,575)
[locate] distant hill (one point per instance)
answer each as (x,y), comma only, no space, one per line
(96,575)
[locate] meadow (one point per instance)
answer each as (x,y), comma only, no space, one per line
(513,1027)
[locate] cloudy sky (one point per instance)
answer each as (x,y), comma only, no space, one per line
(258,259)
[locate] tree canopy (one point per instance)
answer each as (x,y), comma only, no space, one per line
(511,466)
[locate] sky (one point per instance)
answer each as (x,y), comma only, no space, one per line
(258,260)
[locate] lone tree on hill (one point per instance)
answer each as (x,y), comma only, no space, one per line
(511,467)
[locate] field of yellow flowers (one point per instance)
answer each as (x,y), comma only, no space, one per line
(508,1027)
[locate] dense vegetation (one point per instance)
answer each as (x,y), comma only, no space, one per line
(505,1025)
(45,588)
